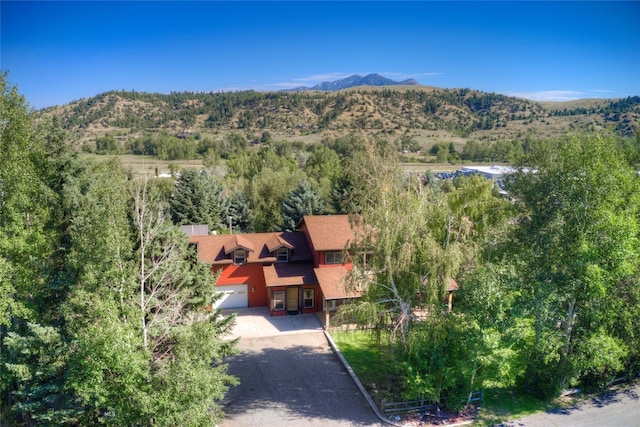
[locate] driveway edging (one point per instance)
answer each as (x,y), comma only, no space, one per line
(364,392)
(356,380)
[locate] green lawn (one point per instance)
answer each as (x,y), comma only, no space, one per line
(370,362)
(374,368)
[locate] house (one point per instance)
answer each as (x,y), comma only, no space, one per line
(328,237)
(288,272)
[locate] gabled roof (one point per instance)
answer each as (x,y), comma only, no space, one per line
(330,280)
(328,232)
(217,249)
(276,242)
(237,242)
(282,274)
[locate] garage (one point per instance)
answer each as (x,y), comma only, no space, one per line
(233,296)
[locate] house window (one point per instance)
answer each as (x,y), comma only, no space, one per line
(307,298)
(239,256)
(333,258)
(332,305)
(282,255)
(278,300)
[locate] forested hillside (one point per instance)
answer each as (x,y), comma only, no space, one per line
(427,114)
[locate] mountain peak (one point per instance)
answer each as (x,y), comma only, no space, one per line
(354,80)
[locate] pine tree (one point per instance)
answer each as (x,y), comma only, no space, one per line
(239,209)
(303,200)
(197,199)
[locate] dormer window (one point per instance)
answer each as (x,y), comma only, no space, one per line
(239,256)
(282,255)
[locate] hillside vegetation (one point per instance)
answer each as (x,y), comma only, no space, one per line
(427,115)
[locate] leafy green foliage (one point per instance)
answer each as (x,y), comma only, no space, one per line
(24,204)
(35,360)
(103,318)
(577,238)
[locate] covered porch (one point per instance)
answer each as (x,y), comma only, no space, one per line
(291,289)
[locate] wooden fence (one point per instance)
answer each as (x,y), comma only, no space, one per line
(408,405)
(475,396)
(422,404)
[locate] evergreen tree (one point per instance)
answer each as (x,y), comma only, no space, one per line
(102,322)
(341,197)
(301,201)
(239,209)
(197,199)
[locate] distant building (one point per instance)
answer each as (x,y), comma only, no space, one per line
(495,173)
(195,230)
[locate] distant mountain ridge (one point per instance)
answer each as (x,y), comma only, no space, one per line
(353,81)
(427,114)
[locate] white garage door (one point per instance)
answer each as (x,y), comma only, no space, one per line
(233,296)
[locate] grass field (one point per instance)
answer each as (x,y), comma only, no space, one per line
(148,165)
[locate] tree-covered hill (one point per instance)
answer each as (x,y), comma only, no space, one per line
(429,115)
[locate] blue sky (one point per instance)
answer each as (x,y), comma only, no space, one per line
(57,52)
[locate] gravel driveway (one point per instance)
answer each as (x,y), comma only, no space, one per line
(292,379)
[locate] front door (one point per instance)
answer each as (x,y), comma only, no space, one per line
(292,299)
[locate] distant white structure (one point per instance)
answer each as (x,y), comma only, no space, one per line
(493,173)
(195,229)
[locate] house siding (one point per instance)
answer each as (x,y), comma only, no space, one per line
(251,274)
(317,299)
(316,255)
(321,261)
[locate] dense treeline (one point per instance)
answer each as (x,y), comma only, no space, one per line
(101,298)
(192,147)
(101,319)
(549,278)
(614,107)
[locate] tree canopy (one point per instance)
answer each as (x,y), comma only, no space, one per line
(102,318)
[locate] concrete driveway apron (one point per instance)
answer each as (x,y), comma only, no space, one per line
(290,377)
